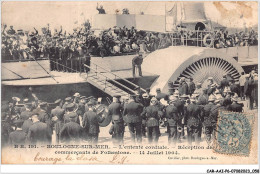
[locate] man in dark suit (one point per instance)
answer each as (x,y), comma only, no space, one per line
(224,82)
(208,121)
(69,112)
(91,122)
(160,95)
(18,136)
(27,124)
(235,106)
(45,117)
(101,10)
(174,117)
(68,100)
(38,132)
(147,97)
(71,132)
(234,87)
(203,98)
(183,87)
(218,106)
(137,62)
(132,116)
(139,96)
(57,116)
(247,92)
(180,103)
(115,109)
(27,113)
(191,86)
(43,114)
(151,115)
(193,117)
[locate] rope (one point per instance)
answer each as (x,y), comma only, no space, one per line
(14,72)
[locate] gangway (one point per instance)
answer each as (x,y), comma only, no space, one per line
(104,82)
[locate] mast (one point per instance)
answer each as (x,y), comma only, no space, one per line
(165,12)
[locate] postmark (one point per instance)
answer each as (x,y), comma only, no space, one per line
(233,133)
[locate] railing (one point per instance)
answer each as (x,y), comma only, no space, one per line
(22,60)
(107,78)
(183,39)
(64,66)
(117,76)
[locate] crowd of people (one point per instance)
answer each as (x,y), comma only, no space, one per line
(67,48)
(187,112)
(218,39)
(63,47)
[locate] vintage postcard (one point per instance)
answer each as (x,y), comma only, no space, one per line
(141,82)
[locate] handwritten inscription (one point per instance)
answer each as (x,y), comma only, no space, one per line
(116,159)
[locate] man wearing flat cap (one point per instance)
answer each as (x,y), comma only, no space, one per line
(132,116)
(57,115)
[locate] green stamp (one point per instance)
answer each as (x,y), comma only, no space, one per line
(233,133)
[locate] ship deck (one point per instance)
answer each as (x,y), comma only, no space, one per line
(71,78)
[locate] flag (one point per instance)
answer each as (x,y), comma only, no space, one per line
(242,15)
(75,22)
(171,18)
(82,14)
(173,11)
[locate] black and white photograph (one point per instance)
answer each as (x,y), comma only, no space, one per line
(129,82)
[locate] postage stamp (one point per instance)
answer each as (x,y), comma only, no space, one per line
(233,133)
